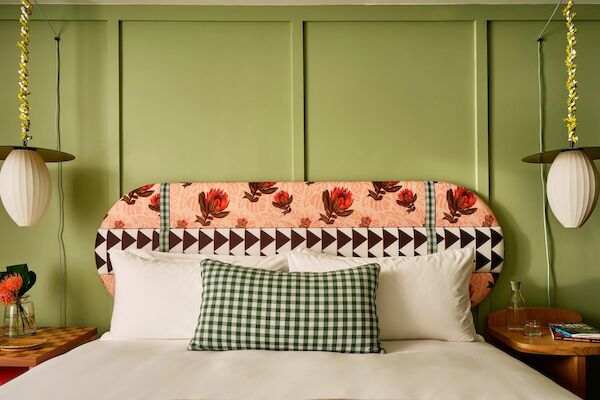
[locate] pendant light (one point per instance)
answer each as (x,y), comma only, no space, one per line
(572,186)
(25,186)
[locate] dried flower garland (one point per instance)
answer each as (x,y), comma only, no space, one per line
(571,118)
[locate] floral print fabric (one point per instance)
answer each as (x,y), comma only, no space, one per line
(306,205)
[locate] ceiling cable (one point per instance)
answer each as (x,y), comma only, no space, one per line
(540,39)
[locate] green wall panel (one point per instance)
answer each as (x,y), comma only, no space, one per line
(213,101)
(395,98)
(84,102)
(516,187)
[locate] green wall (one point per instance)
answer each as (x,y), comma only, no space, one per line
(155,93)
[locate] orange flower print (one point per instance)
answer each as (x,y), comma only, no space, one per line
(365,222)
(488,220)
(118,224)
(257,189)
(144,191)
(305,222)
(336,204)
(241,223)
(282,200)
(212,205)
(181,224)
(381,188)
(460,203)
(406,199)
(155,203)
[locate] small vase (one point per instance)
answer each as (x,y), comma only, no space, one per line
(19,318)
(516,308)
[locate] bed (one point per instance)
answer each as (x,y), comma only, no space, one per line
(349,219)
(419,369)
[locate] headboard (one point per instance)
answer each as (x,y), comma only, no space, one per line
(365,219)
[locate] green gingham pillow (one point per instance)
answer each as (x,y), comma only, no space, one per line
(254,309)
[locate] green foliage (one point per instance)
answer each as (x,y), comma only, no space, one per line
(29,277)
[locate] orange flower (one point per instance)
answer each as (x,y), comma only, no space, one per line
(341,199)
(6,296)
(305,222)
(217,200)
(241,223)
(182,224)
(282,198)
(119,224)
(365,222)
(464,198)
(12,282)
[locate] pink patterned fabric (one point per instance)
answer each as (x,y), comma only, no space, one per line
(400,204)
(299,204)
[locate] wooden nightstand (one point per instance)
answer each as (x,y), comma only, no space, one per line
(60,340)
(562,361)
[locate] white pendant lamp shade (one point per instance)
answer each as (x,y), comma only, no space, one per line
(572,188)
(25,186)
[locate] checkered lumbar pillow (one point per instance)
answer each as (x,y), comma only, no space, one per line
(254,309)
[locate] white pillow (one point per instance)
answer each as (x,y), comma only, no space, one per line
(424,297)
(158,295)
(155,299)
(277,262)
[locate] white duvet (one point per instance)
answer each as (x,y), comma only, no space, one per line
(150,369)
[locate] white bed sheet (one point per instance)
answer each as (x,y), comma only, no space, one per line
(152,369)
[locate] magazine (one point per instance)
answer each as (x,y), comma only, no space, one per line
(579,332)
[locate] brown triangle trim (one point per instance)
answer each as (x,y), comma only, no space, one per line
(188,240)
(174,240)
(342,239)
(404,239)
(250,240)
(328,239)
(220,240)
(496,237)
(311,239)
(357,239)
(155,240)
(142,240)
(99,261)
(111,240)
(99,239)
(280,240)
(419,238)
(450,237)
(373,239)
(388,239)
(465,238)
(203,239)
(126,240)
(265,239)
(234,239)
(297,239)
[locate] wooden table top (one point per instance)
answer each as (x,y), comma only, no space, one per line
(60,340)
(544,345)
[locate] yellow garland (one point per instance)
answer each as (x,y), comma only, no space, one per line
(26,10)
(571,118)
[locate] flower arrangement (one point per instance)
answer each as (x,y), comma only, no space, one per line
(15,282)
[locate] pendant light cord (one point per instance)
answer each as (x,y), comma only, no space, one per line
(62,252)
(541,150)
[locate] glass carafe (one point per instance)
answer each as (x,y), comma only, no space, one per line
(516,308)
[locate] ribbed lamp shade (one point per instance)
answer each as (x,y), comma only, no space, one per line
(25,186)
(572,188)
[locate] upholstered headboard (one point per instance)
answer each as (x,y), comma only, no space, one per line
(366,219)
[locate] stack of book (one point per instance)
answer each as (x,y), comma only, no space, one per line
(577,332)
